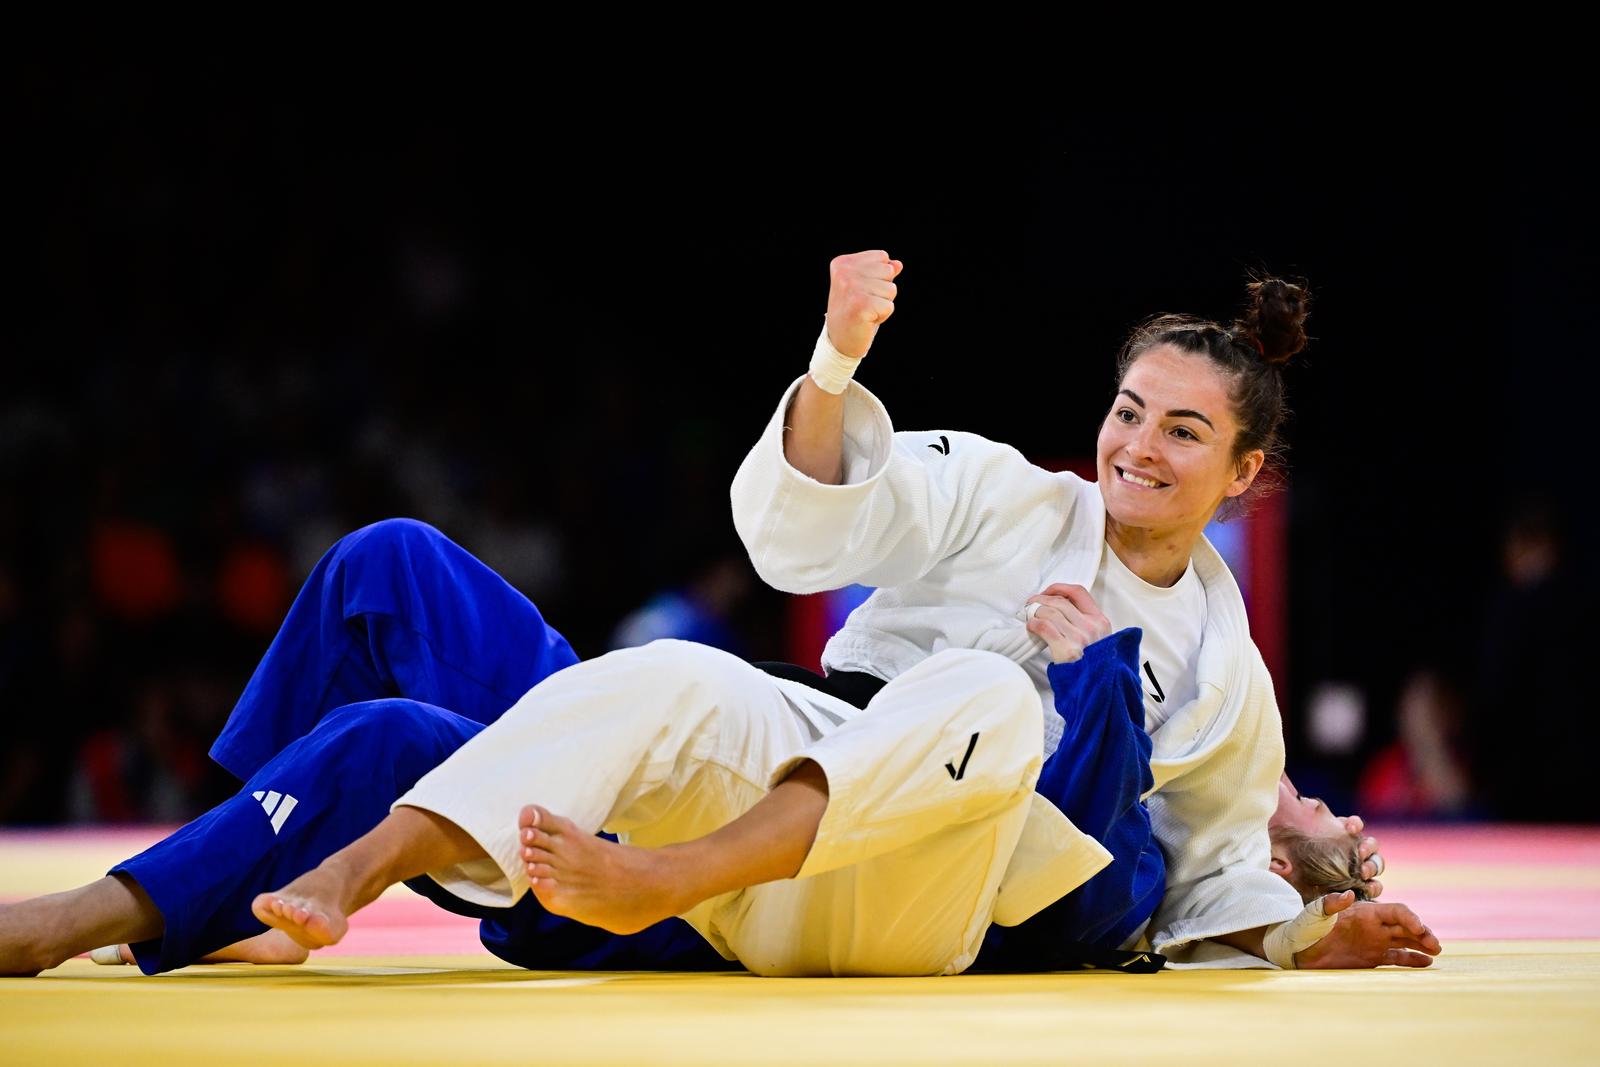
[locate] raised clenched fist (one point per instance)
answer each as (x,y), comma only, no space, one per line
(861,296)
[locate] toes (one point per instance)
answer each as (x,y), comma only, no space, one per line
(538,872)
(538,855)
(528,816)
(559,824)
(544,890)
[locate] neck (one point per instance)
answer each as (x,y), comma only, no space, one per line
(1157,556)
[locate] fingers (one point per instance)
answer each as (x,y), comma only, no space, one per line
(1374,889)
(877,310)
(883,290)
(1065,644)
(1068,620)
(1334,903)
(1404,957)
(1405,922)
(1372,864)
(1430,947)
(874,263)
(1092,619)
(1401,915)
(1075,593)
(1353,825)
(1063,613)
(861,295)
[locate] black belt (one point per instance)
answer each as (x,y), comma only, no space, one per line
(852,687)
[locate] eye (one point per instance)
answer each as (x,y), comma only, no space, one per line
(1124,411)
(1185,433)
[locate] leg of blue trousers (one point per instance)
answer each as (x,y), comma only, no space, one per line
(320,793)
(395,609)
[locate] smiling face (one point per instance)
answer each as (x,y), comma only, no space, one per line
(1165,454)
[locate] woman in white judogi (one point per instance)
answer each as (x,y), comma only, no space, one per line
(802,836)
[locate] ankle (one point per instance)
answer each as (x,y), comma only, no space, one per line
(684,875)
(347,881)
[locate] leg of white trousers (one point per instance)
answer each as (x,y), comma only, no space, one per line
(955,739)
(659,744)
(928,792)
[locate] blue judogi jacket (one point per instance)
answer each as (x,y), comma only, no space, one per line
(1096,776)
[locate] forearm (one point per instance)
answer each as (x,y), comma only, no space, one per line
(813,433)
(1251,941)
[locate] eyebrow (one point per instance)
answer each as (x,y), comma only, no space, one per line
(1175,413)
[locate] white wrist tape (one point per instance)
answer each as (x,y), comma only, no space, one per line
(830,368)
(1298,934)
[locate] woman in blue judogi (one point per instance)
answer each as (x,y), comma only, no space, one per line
(399,648)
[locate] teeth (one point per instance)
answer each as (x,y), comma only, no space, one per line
(1136,480)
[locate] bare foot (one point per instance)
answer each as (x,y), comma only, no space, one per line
(271,948)
(313,909)
(615,887)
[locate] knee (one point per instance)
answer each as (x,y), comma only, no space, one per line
(387,537)
(990,676)
(392,724)
(677,663)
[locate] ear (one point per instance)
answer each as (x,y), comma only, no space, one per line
(1281,867)
(1250,465)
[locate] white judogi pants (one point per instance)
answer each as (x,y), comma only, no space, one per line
(929,787)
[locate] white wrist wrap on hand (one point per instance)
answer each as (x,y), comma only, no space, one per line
(1298,934)
(830,368)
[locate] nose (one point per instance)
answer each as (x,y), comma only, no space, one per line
(1142,442)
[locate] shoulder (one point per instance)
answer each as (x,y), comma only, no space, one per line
(995,475)
(963,451)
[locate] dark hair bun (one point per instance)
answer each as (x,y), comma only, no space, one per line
(1275,318)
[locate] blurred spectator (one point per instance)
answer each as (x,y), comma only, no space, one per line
(1531,706)
(702,610)
(1422,774)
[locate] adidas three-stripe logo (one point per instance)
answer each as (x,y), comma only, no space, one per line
(277,806)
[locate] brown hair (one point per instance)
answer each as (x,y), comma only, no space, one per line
(1323,864)
(1249,354)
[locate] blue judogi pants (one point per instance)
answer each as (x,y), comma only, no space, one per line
(395,625)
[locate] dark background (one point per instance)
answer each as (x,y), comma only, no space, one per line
(249,313)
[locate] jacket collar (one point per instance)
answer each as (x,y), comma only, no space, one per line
(1195,730)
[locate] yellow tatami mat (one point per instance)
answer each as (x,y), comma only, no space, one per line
(1485,1001)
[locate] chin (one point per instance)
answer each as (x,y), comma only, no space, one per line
(1137,513)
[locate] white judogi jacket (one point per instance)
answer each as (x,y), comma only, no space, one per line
(956,532)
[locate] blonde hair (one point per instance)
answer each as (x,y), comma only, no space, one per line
(1322,864)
